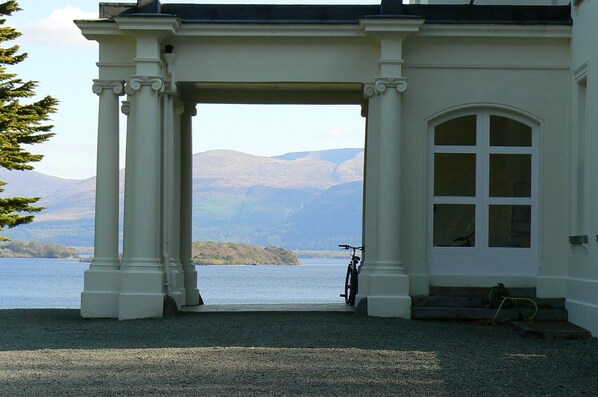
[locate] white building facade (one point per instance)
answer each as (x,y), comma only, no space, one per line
(479,143)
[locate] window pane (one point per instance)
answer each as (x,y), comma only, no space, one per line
(454,225)
(509,226)
(510,175)
(508,132)
(454,174)
(460,131)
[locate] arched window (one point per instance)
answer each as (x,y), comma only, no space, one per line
(483,194)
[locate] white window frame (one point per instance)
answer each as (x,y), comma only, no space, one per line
(481,259)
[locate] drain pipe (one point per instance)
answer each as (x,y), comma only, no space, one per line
(167,157)
(170,305)
(167,282)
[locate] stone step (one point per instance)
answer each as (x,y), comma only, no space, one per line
(481,292)
(554,329)
(482,302)
(480,313)
(448,301)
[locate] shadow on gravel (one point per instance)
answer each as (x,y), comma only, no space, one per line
(295,350)
(63,329)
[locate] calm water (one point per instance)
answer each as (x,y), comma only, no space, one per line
(57,283)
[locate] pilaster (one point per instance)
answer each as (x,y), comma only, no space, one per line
(102,281)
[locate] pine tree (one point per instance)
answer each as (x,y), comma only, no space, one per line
(20,124)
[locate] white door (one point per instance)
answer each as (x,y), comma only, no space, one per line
(483,195)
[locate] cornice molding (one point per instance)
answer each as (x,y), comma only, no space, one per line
(408,65)
(262,30)
(484,30)
(391,27)
(160,26)
(94,30)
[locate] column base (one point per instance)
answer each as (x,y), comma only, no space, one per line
(137,305)
(101,291)
(387,293)
(177,279)
(389,306)
(142,294)
(193,298)
(192,295)
(419,284)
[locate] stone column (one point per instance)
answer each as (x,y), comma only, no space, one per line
(143,281)
(102,281)
(186,200)
(383,280)
(170,206)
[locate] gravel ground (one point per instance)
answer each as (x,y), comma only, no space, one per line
(56,353)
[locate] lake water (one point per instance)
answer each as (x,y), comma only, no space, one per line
(57,283)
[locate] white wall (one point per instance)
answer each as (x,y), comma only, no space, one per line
(494,2)
(582,281)
(526,74)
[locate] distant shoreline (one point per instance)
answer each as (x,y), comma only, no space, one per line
(37,250)
(205,253)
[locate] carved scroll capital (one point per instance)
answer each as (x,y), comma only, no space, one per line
(191,109)
(382,84)
(179,107)
(156,83)
(125,107)
(99,86)
(170,87)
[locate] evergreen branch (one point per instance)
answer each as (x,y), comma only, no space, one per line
(20,124)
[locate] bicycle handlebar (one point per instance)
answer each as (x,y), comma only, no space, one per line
(347,246)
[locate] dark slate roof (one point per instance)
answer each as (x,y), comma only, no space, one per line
(351,14)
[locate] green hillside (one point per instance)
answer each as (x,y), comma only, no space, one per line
(309,201)
(213,253)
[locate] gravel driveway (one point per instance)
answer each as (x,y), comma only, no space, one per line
(56,353)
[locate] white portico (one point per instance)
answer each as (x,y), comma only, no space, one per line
(466,155)
(154,59)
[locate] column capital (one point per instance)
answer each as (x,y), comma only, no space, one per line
(155,82)
(125,107)
(190,107)
(179,107)
(170,88)
(382,84)
(117,87)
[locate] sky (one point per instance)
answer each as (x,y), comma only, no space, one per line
(63,62)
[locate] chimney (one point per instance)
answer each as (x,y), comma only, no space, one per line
(148,6)
(391,7)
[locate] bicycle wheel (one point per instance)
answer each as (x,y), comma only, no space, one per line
(354,280)
(348,284)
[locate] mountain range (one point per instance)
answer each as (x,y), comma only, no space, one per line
(301,200)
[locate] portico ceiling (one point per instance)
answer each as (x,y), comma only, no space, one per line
(272,93)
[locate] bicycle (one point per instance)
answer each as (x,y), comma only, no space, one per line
(351,279)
